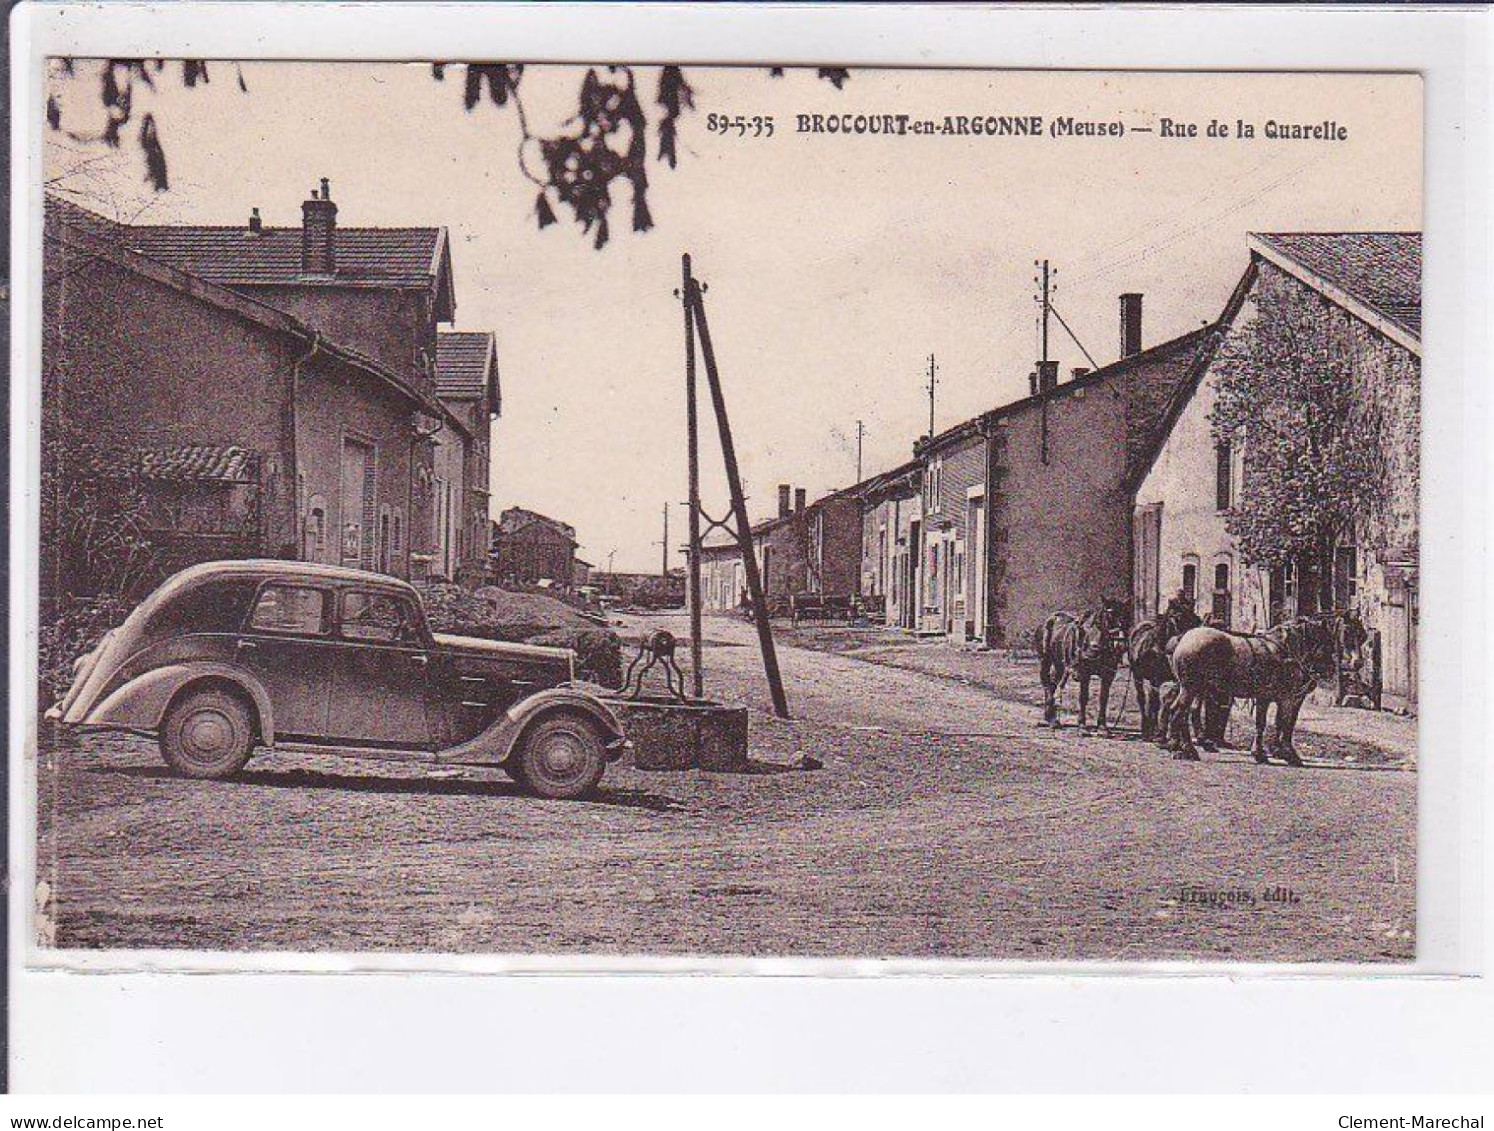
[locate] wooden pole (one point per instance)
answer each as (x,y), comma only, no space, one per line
(697,672)
(739,507)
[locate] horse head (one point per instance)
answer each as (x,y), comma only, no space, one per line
(1314,641)
(1104,630)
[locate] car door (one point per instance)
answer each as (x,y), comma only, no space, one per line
(380,672)
(286,644)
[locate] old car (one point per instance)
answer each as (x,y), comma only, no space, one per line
(228,657)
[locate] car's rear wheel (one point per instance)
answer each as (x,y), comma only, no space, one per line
(207,734)
(561,758)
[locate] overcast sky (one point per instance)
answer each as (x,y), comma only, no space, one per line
(835,264)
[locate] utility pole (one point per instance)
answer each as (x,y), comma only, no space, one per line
(1047,302)
(695,304)
(933,382)
(860,432)
(692,567)
(664,542)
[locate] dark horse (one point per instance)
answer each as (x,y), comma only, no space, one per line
(1087,646)
(1147,651)
(1281,665)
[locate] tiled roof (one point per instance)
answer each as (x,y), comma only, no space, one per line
(191,463)
(1381,270)
(388,256)
(462,368)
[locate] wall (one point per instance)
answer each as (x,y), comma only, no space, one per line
(131,363)
(337,404)
(835,546)
(889,561)
(723,579)
(1061,529)
(1182,480)
(391,327)
(951,585)
(534,553)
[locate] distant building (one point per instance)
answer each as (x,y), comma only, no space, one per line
(1186,483)
(467,385)
(806,549)
(529,548)
(891,517)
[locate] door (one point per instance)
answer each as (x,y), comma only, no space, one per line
(287,646)
(379,675)
(1148,560)
(975,565)
(357,499)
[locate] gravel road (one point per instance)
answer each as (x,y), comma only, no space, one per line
(944,823)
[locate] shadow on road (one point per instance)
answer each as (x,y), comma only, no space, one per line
(408,787)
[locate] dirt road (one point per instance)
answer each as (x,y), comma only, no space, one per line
(944,823)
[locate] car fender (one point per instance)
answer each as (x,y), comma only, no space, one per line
(141,703)
(499,740)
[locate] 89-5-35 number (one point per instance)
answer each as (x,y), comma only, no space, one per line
(742,125)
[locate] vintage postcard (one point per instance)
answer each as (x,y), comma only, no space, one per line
(714,512)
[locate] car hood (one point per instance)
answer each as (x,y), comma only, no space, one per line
(476,646)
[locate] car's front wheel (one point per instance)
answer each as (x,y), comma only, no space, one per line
(561,758)
(207,734)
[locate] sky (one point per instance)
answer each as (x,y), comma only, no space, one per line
(835,264)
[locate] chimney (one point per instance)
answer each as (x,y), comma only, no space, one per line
(798,499)
(318,223)
(1047,376)
(256,225)
(783,500)
(1130,325)
(1077,372)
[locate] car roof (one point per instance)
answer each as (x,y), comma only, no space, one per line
(277,568)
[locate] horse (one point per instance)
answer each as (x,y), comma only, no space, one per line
(1088,645)
(1281,665)
(1147,655)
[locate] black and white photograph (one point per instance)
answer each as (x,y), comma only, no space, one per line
(492,508)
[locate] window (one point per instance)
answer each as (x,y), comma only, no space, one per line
(1345,576)
(290,608)
(1190,582)
(1223,468)
(1221,602)
(374,616)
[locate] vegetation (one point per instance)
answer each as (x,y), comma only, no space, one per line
(1288,396)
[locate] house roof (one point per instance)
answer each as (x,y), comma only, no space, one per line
(396,258)
(515,519)
(192,463)
(1177,352)
(1374,275)
(96,237)
(1377,275)
(467,367)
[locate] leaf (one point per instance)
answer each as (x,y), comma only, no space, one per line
(543,211)
(155,156)
(54,113)
(835,76)
(602,235)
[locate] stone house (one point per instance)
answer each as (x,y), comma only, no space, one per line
(530,548)
(467,386)
(1025,509)
(804,550)
(891,521)
(1370,282)
(239,428)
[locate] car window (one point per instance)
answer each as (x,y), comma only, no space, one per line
(375,616)
(290,608)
